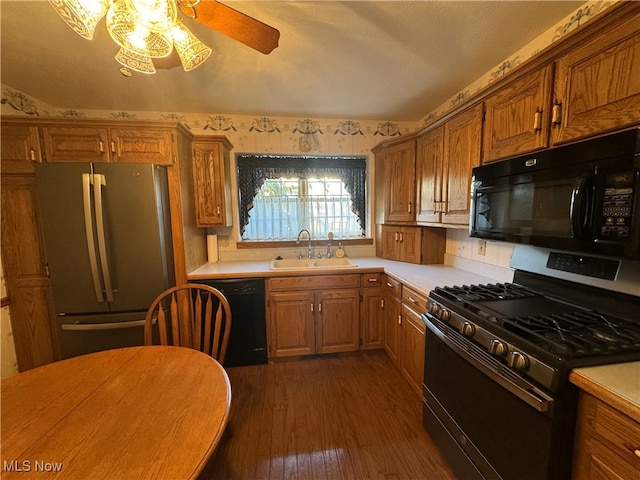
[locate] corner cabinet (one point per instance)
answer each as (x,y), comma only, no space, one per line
(211,176)
(313,314)
(412,244)
(400,171)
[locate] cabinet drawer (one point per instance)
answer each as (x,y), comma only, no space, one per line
(391,286)
(415,300)
(314,281)
(617,431)
(371,279)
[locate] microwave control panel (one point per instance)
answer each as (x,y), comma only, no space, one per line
(617,206)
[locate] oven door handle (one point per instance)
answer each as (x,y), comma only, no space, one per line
(527,392)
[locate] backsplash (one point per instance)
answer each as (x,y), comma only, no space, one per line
(464,252)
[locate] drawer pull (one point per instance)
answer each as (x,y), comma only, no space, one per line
(389,285)
(412,300)
(372,280)
(637,452)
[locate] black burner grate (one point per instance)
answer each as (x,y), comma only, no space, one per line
(553,325)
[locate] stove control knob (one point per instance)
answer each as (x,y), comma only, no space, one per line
(498,348)
(434,309)
(467,329)
(445,315)
(518,361)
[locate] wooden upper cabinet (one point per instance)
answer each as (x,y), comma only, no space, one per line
(400,170)
(597,85)
(142,146)
(75,144)
(462,141)
(518,116)
(212,186)
(429,158)
(105,144)
(20,148)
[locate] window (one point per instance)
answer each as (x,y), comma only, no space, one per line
(280,195)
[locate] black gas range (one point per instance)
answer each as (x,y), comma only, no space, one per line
(504,351)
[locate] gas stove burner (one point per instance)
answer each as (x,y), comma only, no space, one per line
(497,291)
(578,333)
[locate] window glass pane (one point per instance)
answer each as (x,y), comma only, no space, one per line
(284,206)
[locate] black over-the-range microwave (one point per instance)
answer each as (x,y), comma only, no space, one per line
(583,197)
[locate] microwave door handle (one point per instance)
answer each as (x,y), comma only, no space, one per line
(577,209)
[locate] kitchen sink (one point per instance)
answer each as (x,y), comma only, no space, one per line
(310,263)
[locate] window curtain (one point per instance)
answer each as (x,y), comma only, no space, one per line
(254,169)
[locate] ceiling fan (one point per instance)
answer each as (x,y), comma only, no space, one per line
(151,34)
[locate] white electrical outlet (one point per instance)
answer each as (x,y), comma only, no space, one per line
(482,247)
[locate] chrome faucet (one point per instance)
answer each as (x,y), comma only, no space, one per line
(308,238)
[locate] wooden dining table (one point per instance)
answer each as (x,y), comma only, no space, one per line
(132,413)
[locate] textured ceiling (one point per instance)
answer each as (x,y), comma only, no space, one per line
(361,59)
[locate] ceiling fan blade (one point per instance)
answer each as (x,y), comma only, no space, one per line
(235,24)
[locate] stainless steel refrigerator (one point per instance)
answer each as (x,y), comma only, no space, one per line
(108,249)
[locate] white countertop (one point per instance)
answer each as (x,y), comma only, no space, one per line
(421,277)
(617,385)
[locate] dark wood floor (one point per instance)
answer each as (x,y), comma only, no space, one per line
(350,417)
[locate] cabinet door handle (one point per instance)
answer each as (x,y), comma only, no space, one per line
(399,319)
(218,210)
(382,303)
(319,308)
(311,306)
(33,154)
(396,235)
(113,147)
(556,113)
(637,452)
(410,207)
(101,146)
(537,121)
(401,237)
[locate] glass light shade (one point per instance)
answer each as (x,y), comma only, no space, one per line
(81,15)
(156,15)
(192,51)
(135,61)
(134,37)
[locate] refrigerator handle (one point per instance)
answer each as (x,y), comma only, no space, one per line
(98,182)
(88,228)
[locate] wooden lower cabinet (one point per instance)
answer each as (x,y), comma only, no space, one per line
(391,291)
(607,443)
(412,335)
(308,315)
(371,312)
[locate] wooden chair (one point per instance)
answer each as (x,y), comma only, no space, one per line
(191,315)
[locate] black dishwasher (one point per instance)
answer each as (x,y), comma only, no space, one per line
(248,338)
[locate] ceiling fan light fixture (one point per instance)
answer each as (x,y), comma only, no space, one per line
(81,15)
(135,61)
(157,15)
(134,36)
(192,52)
